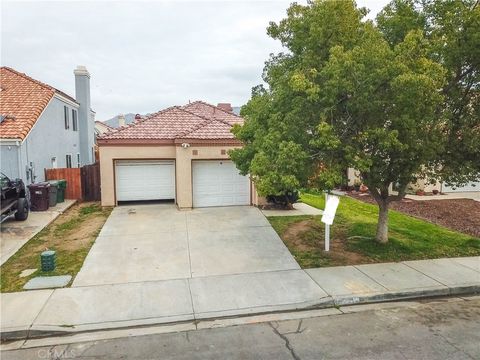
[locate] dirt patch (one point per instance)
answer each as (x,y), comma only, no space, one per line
(462,215)
(71,235)
(308,237)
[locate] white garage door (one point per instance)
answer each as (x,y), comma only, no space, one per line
(469,187)
(218,183)
(144,180)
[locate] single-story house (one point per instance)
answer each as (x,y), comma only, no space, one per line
(178,154)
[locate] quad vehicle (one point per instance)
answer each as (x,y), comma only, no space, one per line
(14,199)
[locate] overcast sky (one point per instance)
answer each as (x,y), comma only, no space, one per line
(145,56)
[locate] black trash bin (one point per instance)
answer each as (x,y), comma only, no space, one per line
(52,193)
(39,196)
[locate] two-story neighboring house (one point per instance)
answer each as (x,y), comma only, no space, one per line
(42,127)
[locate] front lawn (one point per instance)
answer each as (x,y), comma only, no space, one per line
(352,236)
(71,235)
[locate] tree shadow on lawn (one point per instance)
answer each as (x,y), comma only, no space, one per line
(352,239)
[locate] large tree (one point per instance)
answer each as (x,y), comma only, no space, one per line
(397,101)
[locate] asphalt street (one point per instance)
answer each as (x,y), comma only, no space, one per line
(435,329)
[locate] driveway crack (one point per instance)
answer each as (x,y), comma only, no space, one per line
(287,342)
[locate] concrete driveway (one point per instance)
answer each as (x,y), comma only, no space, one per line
(158,242)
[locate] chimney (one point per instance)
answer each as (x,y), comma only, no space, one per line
(86,124)
(121,120)
(225,107)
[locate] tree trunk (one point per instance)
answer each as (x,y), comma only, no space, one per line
(382,226)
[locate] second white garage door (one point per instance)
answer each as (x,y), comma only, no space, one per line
(218,183)
(144,180)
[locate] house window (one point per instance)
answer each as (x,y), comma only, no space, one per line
(69,161)
(78,159)
(74,120)
(67,120)
(54,162)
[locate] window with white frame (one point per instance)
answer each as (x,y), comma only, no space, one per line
(78,159)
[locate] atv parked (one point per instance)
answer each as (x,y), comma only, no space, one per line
(14,200)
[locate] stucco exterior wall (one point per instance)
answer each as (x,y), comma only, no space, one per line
(257,200)
(47,139)
(183,166)
(9,160)
(108,155)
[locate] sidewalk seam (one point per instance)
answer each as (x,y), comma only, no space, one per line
(426,275)
(465,266)
(190,266)
(316,283)
(371,278)
(36,317)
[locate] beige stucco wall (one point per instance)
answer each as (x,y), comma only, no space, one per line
(425,185)
(257,200)
(353,176)
(108,154)
(183,166)
(184,158)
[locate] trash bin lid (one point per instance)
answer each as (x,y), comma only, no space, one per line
(62,183)
(39,185)
(53,182)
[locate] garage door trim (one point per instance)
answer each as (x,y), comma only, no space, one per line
(248,202)
(151,160)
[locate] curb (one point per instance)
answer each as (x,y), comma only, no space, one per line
(324,303)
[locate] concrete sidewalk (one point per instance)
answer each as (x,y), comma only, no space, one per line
(88,308)
(14,234)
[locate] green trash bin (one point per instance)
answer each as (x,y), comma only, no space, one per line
(61,185)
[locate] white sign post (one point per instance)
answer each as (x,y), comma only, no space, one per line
(331,204)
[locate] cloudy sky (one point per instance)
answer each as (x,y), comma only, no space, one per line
(144,56)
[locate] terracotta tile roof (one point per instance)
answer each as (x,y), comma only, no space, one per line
(22,100)
(202,121)
(213,112)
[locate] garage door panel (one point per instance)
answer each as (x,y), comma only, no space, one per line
(144,180)
(218,183)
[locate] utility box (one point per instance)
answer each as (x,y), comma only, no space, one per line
(39,196)
(48,260)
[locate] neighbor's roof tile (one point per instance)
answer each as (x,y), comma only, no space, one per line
(22,100)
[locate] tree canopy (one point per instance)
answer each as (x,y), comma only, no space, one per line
(397,99)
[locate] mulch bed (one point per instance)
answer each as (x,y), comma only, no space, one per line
(457,214)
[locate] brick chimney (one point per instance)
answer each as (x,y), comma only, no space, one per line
(225,107)
(86,121)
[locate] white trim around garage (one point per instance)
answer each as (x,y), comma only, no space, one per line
(140,180)
(219,183)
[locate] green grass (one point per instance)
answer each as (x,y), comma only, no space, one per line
(355,226)
(71,235)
